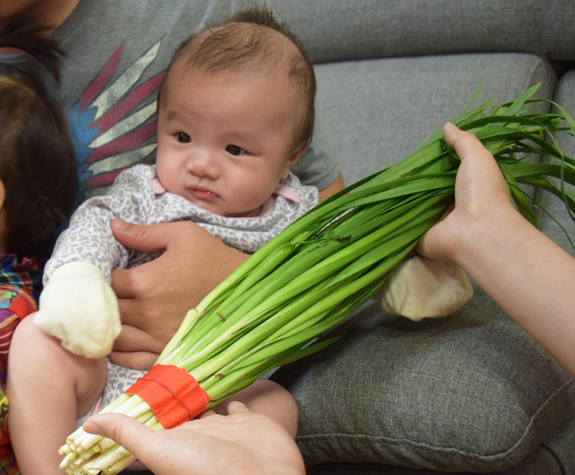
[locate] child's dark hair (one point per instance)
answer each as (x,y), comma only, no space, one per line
(37,164)
(225,50)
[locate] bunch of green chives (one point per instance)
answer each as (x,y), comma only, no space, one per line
(330,261)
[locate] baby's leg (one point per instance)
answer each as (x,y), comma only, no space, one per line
(267,398)
(47,389)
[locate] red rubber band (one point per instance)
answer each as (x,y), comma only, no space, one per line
(172,393)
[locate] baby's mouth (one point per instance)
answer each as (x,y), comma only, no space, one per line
(203,193)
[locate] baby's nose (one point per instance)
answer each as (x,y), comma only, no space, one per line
(203,164)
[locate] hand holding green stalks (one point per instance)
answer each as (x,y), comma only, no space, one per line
(330,261)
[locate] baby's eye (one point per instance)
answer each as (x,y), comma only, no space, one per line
(235,150)
(183,137)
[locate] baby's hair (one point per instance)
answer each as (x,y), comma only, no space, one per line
(229,47)
(37,163)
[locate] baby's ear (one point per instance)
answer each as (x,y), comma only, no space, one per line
(297,153)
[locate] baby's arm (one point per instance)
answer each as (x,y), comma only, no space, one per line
(525,272)
(78,305)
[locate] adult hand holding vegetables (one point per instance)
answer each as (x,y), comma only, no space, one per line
(326,264)
(525,272)
(240,443)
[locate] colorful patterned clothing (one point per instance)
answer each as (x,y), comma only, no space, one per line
(19,288)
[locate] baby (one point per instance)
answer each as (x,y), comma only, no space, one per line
(37,186)
(235,113)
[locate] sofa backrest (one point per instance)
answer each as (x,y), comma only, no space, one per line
(342,30)
(392,72)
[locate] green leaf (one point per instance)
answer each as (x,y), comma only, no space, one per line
(522,203)
(516,105)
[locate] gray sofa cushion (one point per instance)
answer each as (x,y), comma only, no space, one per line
(372,127)
(553,457)
(560,448)
(471,392)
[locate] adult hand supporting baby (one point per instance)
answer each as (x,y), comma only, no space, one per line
(155,297)
(239,443)
(525,272)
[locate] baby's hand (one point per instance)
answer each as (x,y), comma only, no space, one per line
(421,288)
(80,308)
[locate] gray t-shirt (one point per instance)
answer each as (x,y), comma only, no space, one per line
(117,52)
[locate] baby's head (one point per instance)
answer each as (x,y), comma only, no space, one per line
(235,113)
(38,177)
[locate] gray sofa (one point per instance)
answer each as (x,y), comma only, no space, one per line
(470,393)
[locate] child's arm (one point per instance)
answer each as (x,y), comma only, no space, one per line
(419,288)
(526,273)
(78,305)
(79,308)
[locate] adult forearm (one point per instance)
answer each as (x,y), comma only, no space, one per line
(528,275)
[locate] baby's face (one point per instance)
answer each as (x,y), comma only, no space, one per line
(225,140)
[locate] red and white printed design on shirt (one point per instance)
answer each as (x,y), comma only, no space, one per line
(113,124)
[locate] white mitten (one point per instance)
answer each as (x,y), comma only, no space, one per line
(79,307)
(419,288)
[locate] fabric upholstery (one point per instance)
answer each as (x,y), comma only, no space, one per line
(379,111)
(340,30)
(470,392)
